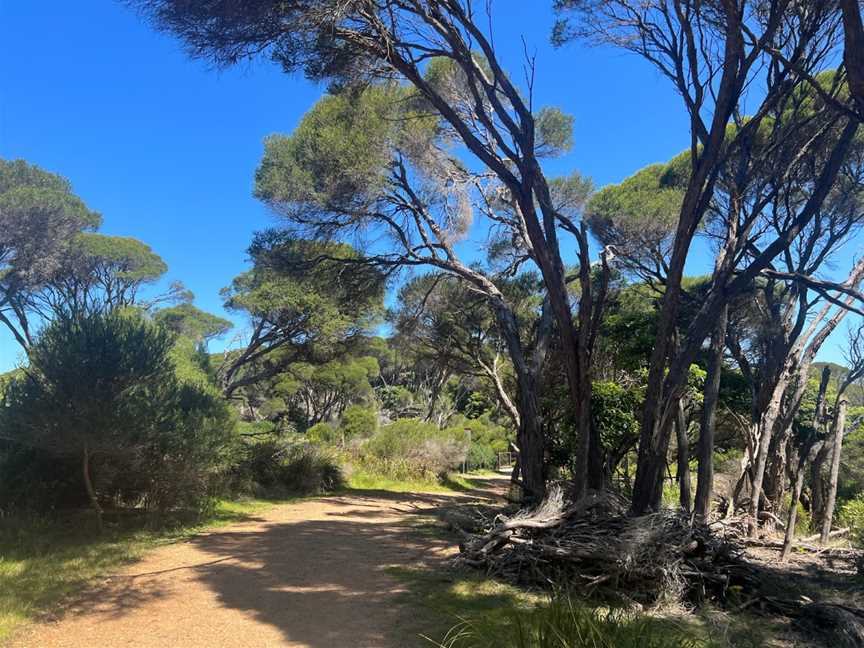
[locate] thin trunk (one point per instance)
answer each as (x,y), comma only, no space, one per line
(766,427)
(837,448)
(88,484)
(792,517)
(705,449)
(683,459)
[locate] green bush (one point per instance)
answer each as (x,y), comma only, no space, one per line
(410,449)
(358,422)
(851,514)
(275,467)
(565,622)
(110,391)
(323,433)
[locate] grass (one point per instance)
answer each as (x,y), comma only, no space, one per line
(470,610)
(42,561)
(463,610)
(360,479)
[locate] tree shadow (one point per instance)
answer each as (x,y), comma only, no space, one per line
(325,582)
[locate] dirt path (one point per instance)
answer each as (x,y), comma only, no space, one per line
(310,574)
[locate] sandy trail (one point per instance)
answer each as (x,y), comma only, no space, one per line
(310,574)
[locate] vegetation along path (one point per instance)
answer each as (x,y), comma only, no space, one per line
(313,573)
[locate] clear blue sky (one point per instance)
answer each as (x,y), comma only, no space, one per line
(165,147)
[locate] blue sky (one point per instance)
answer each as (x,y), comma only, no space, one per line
(165,147)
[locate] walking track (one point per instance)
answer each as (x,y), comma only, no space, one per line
(312,574)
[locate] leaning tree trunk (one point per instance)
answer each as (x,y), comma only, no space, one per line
(88,484)
(705,448)
(817,490)
(685,498)
(837,447)
(807,454)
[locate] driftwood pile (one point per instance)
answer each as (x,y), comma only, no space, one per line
(593,547)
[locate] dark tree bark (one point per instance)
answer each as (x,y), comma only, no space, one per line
(705,448)
(836,450)
(88,485)
(683,464)
(853,52)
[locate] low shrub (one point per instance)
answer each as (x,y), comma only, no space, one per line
(279,467)
(851,514)
(414,449)
(565,622)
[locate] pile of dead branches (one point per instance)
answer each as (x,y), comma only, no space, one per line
(595,544)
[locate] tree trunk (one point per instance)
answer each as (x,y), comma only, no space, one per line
(705,448)
(685,498)
(529,435)
(88,484)
(837,447)
(774,482)
(766,427)
(853,53)
(817,490)
(792,517)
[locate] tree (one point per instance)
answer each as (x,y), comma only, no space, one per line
(711,59)
(302,298)
(87,390)
(102,273)
(854,374)
(441,49)
(40,218)
(188,321)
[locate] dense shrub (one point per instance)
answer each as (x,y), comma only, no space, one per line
(487,438)
(358,422)
(276,467)
(413,449)
(105,389)
(323,433)
(851,514)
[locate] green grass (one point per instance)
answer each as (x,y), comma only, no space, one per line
(360,479)
(43,561)
(465,610)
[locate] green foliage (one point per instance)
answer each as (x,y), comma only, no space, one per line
(306,301)
(615,413)
(358,422)
(339,153)
(487,438)
(323,433)
(638,216)
(329,386)
(554,131)
(566,622)
(276,467)
(412,449)
(394,399)
(90,389)
(851,514)
(186,320)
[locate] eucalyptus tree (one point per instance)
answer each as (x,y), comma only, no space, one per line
(713,54)
(443,318)
(445,52)
(40,218)
(185,320)
(304,300)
